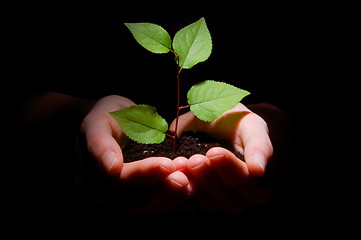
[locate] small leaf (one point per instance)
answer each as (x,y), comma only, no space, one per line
(151,36)
(142,123)
(193,44)
(209,99)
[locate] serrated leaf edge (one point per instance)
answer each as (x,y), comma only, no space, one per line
(144,105)
(223,83)
(137,140)
(187,67)
(169,48)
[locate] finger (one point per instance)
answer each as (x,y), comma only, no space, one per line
(147,171)
(180,163)
(103,134)
(232,170)
(256,143)
(198,165)
(204,181)
(211,192)
(101,143)
(179,181)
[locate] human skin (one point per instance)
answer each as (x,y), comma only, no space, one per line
(209,178)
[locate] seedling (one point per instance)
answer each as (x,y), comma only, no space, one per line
(207,100)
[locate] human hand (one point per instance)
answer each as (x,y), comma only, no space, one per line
(220,180)
(150,185)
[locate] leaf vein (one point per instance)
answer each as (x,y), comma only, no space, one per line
(215,99)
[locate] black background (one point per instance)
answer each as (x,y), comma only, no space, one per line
(284,54)
(276,52)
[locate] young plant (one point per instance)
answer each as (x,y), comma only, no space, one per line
(207,100)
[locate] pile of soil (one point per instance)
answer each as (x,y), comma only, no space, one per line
(188,144)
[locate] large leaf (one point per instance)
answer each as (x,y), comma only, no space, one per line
(142,123)
(151,36)
(193,44)
(209,99)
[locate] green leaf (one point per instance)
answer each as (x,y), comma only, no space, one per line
(142,123)
(209,99)
(151,36)
(193,44)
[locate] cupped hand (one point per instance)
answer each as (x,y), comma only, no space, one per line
(221,181)
(157,177)
(240,128)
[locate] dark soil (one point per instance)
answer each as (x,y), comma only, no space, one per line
(187,145)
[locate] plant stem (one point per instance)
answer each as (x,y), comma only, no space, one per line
(179,69)
(178,110)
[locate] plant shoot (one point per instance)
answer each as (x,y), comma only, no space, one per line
(207,100)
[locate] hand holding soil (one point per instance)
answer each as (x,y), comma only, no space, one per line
(210,178)
(241,130)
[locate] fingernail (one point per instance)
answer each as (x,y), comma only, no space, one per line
(176,183)
(167,170)
(197,162)
(178,179)
(260,159)
(198,166)
(109,159)
(217,156)
(167,167)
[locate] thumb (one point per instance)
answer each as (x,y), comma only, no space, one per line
(102,133)
(106,151)
(102,145)
(257,147)
(257,153)
(111,158)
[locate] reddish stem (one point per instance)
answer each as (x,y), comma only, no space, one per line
(178,110)
(179,69)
